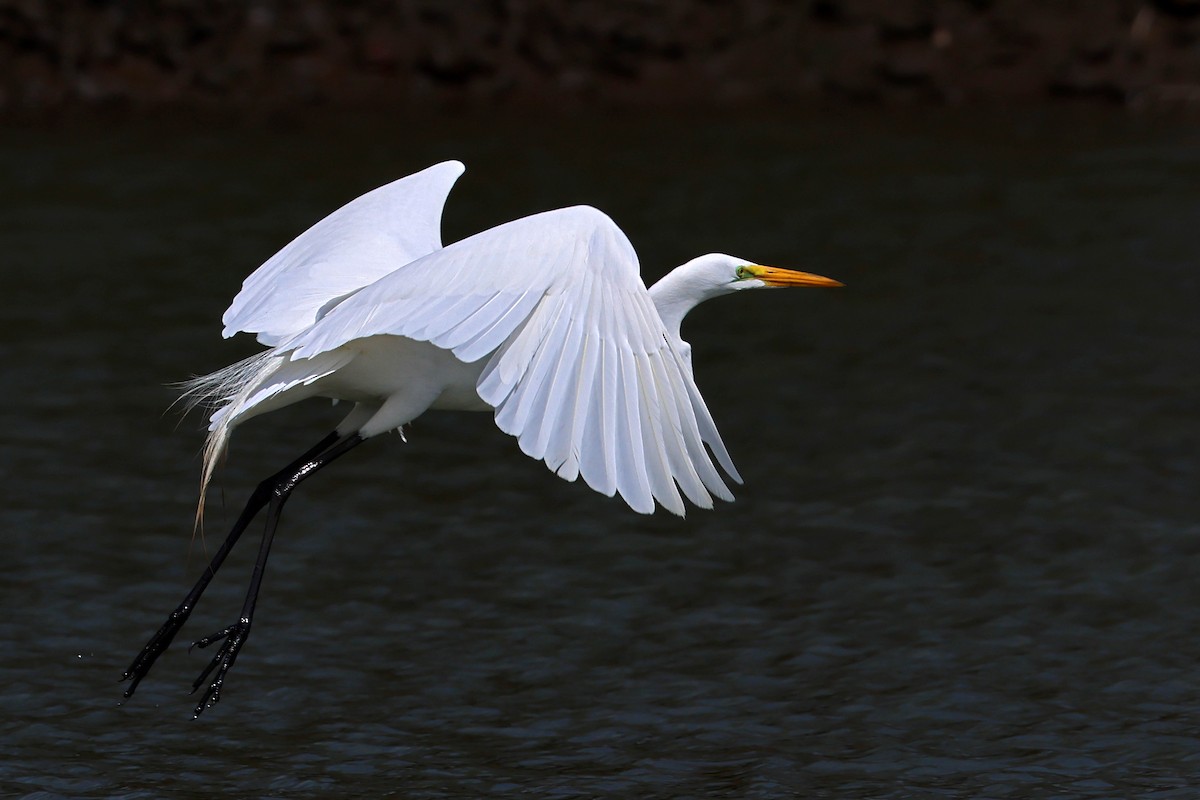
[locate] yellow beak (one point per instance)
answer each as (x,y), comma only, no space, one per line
(777,277)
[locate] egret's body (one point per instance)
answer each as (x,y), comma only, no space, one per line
(379,369)
(544,321)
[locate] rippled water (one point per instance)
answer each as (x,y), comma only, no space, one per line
(963,564)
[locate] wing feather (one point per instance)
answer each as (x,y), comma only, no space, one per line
(493,336)
(696,455)
(554,438)
(682,469)
(601,472)
(708,433)
(582,406)
(539,377)
(481,320)
(579,365)
(546,437)
(658,469)
(362,241)
(634,482)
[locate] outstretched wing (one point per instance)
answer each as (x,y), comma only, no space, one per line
(581,368)
(354,246)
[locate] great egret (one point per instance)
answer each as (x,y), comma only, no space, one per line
(544,320)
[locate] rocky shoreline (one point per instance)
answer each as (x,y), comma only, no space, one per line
(276,54)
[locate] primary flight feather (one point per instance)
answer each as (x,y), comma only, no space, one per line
(544,321)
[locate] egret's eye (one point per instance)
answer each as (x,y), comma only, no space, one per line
(743,273)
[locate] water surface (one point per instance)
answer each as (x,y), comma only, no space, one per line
(963,563)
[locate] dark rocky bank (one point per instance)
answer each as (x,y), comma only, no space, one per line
(278,54)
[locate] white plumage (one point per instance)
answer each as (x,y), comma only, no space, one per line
(544,319)
(356,245)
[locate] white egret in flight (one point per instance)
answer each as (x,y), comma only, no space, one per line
(544,321)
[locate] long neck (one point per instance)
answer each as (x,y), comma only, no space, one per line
(677,293)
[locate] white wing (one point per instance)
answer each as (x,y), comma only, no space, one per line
(582,371)
(354,246)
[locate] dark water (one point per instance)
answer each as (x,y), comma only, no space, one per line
(964,563)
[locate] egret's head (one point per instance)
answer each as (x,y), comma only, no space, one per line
(717,273)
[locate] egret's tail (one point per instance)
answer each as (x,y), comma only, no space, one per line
(262,382)
(226,391)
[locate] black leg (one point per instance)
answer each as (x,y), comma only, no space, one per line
(233,637)
(261,497)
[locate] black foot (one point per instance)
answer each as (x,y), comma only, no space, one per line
(232,639)
(154,648)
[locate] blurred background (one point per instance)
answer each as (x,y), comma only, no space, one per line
(284,54)
(964,560)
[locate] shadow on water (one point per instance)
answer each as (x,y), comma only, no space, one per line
(962,564)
